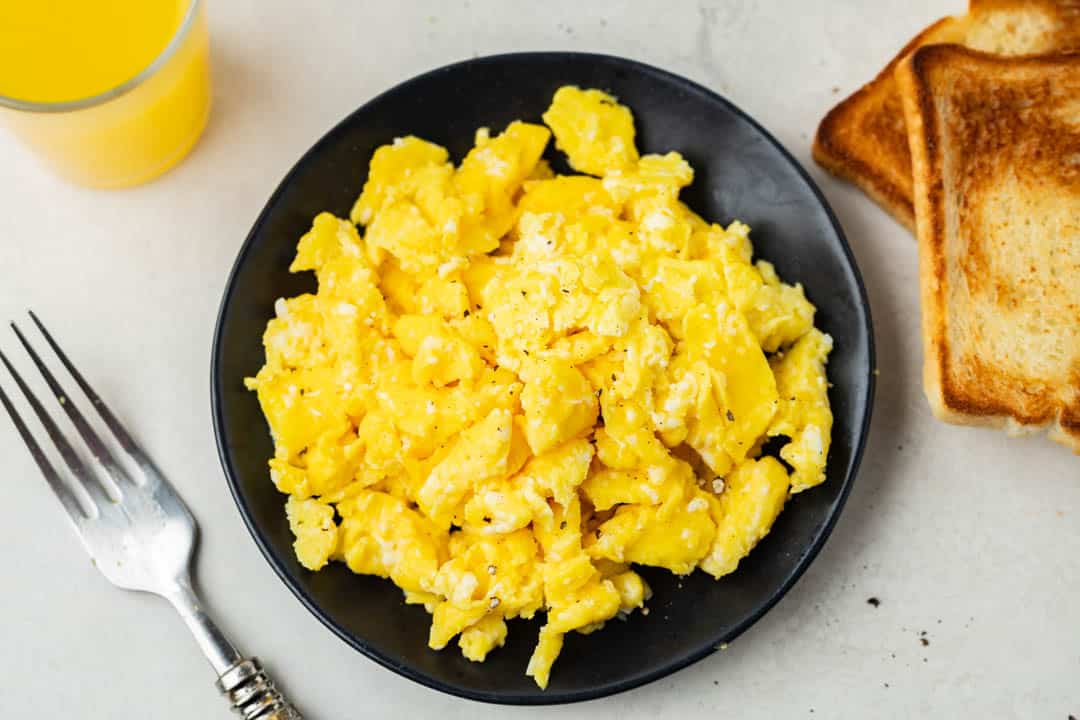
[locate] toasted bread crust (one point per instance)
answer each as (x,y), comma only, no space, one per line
(1067,10)
(863,139)
(927,201)
(975,123)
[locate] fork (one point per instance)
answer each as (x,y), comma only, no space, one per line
(136,528)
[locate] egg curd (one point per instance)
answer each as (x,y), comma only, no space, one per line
(511,386)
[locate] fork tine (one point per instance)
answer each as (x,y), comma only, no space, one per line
(63,493)
(115,427)
(78,468)
(87,433)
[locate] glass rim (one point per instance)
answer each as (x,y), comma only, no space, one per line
(128,85)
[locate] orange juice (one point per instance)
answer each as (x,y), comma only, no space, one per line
(109,93)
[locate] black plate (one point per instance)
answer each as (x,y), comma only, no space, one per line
(742,172)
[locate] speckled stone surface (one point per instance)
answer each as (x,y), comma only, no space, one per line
(967,541)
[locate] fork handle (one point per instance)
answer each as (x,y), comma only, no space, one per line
(250,691)
(253,695)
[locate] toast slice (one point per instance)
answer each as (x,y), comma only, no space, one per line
(863,139)
(995,148)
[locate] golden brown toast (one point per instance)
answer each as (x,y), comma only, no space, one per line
(863,139)
(995,148)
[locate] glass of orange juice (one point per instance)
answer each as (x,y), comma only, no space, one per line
(108,93)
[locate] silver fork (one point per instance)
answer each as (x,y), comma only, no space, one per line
(137,529)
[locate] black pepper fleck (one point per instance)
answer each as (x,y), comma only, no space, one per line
(924,641)
(730,416)
(562,525)
(873,601)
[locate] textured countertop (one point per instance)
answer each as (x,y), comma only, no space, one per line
(967,539)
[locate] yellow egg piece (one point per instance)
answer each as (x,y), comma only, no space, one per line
(595,131)
(312,522)
(753,495)
(804,416)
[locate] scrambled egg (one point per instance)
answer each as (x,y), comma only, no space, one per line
(515,386)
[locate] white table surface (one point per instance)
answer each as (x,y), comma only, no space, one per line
(961,533)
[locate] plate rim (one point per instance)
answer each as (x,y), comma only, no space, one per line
(698,652)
